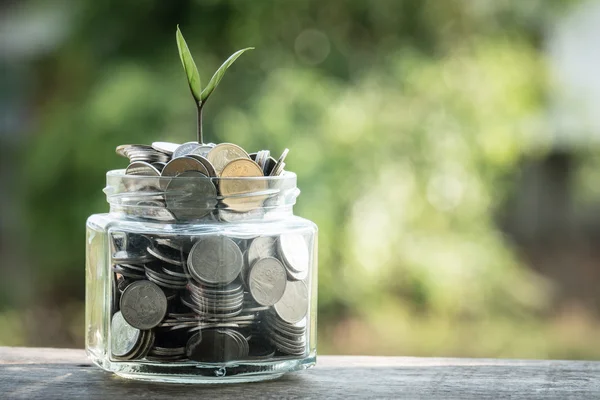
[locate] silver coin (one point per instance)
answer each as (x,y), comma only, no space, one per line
(138,152)
(214,345)
(285,347)
(294,251)
(144,190)
(128,273)
(261,247)
(143,305)
(215,260)
(234,216)
(290,330)
(152,210)
(169,242)
(209,167)
(233,289)
(163,279)
(296,328)
(145,346)
(131,267)
(217,297)
(262,158)
(267,165)
(182,164)
(191,199)
(185,149)
(125,149)
(177,273)
(141,168)
(202,150)
(131,257)
(124,338)
(297,276)
(293,305)
(166,254)
(159,165)
(165,147)
(267,281)
(278,169)
(167,351)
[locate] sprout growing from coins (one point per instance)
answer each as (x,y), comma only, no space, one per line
(193,76)
(184,199)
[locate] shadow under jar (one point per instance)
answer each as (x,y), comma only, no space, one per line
(195,279)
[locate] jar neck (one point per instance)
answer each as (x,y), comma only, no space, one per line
(201,199)
(161,214)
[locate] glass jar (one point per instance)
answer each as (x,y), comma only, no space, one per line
(185,283)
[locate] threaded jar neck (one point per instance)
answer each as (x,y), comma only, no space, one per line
(201,199)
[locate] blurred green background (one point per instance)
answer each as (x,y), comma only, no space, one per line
(448,151)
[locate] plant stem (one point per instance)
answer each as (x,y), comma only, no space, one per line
(199,109)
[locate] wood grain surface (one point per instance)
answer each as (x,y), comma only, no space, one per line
(34,373)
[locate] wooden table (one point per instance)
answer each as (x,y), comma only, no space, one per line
(34,373)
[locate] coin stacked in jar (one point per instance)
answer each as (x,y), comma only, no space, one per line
(226,194)
(206,297)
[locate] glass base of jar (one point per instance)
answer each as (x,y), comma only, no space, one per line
(187,372)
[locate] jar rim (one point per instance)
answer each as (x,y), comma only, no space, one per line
(120,173)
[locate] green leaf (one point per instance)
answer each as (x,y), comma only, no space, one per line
(216,78)
(189,66)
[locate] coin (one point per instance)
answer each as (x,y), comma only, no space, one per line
(294,252)
(202,150)
(235,216)
(153,210)
(124,338)
(241,168)
(260,247)
(267,280)
(141,152)
(190,198)
(214,345)
(125,149)
(268,164)
(297,276)
(242,194)
(155,273)
(185,149)
(159,165)
(224,153)
(165,147)
(215,260)
(146,344)
(166,254)
(131,257)
(278,169)
(141,168)
(293,305)
(209,167)
(260,348)
(262,159)
(128,273)
(143,305)
(183,164)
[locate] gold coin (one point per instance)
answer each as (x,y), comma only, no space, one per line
(243,194)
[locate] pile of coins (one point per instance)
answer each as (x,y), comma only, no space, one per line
(209,298)
(219,196)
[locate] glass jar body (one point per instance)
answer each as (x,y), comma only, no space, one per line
(203,301)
